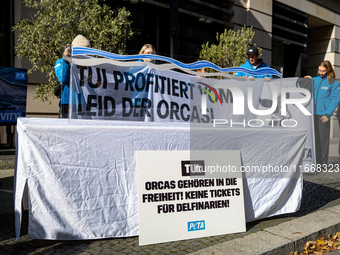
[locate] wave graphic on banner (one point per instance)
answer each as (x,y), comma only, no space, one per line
(191,66)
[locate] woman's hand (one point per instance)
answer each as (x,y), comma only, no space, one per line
(324,119)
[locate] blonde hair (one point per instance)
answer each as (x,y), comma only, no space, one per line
(146,46)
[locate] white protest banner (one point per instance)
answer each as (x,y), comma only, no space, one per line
(113,90)
(181,197)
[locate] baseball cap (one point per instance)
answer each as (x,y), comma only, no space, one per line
(252,50)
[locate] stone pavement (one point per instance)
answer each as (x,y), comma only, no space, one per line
(318,215)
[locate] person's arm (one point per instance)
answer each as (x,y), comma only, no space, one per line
(334,100)
(58,70)
(65,73)
(266,77)
(240,74)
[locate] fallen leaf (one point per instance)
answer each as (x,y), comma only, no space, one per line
(320,242)
(330,243)
(321,245)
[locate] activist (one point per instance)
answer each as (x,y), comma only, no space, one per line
(147,49)
(254,63)
(62,70)
(202,70)
(326,98)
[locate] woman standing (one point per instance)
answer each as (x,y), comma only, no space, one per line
(326,98)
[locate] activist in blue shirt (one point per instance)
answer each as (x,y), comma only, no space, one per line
(254,63)
(62,71)
(326,98)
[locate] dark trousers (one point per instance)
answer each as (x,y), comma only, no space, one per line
(321,131)
(64,110)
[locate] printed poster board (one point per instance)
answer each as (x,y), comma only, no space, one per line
(189,194)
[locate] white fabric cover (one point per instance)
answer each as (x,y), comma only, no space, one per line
(81,174)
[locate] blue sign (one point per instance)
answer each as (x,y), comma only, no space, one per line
(196,225)
(13,94)
(10,116)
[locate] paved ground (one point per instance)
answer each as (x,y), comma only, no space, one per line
(319,214)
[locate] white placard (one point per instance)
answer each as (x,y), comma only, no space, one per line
(189,194)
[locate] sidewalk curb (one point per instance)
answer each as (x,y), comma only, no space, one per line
(284,238)
(307,228)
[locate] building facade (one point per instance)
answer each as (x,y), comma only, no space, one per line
(295,35)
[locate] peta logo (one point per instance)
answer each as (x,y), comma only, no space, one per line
(193,167)
(196,225)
